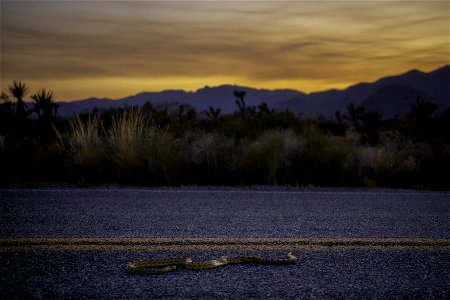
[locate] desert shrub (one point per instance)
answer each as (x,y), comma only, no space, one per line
(276,120)
(233,126)
(325,160)
(85,140)
(86,149)
(397,162)
(166,157)
(435,170)
(443,127)
(252,126)
(211,154)
(129,151)
(178,117)
(386,166)
(262,159)
(49,163)
(368,168)
(127,141)
(171,144)
(332,127)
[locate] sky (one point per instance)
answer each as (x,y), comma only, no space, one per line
(114,49)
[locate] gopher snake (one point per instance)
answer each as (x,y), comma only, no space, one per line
(161,266)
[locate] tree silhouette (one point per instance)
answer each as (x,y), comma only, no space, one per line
(213,114)
(7,115)
(45,105)
(46,108)
(4,97)
(422,110)
(371,123)
(264,109)
(419,120)
(354,114)
(5,106)
(18,90)
(338,116)
(240,102)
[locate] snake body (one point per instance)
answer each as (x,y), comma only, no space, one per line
(162,266)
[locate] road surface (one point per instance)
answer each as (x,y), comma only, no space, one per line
(75,243)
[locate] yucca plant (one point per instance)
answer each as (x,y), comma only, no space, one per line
(18,90)
(45,104)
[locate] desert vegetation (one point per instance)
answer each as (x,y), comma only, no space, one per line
(176,145)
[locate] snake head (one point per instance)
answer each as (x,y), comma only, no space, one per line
(223,259)
(131,265)
(292,256)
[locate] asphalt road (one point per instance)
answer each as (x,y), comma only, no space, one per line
(74,243)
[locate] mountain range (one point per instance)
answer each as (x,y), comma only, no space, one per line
(391,96)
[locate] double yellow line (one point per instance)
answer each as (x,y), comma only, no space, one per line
(223,244)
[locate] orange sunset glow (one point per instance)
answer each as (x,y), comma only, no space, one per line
(113,49)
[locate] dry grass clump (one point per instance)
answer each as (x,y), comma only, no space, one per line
(326,159)
(396,162)
(85,143)
(127,140)
(165,156)
(129,150)
(211,151)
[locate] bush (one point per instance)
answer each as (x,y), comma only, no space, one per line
(257,146)
(127,140)
(211,155)
(326,160)
(262,159)
(166,157)
(397,162)
(86,149)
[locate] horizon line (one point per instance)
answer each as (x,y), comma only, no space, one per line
(257,88)
(195,90)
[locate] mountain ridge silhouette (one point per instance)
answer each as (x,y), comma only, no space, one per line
(390,95)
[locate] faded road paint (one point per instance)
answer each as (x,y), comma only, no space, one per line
(223,244)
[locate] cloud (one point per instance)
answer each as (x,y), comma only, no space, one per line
(256,41)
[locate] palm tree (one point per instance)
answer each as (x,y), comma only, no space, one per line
(45,104)
(18,90)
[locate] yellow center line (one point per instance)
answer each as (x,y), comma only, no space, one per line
(55,247)
(222,244)
(222,240)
